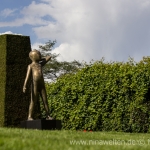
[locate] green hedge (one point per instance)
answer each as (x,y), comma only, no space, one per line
(112,96)
(14,60)
(2,77)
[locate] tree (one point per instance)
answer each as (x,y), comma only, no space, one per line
(54,68)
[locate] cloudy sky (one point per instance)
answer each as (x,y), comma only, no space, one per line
(84,29)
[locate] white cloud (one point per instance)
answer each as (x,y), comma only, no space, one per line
(31,15)
(146,3)
(9,32)
(36,9)
(7,12)
(85,30)
(104,28)
(71,53)
(36,45)
(30,20)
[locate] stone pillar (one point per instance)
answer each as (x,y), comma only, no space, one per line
(14,59)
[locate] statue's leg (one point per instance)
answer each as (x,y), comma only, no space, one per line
(45,102)
(31,106)
(34,96)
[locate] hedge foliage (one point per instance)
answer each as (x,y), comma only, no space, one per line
(104,96)
(2,78)
(14,59)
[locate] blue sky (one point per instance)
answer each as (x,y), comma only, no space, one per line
(84,29)
(10,10)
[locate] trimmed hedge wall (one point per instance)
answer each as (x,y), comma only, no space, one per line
(2,78)
(112,96)
(14,59)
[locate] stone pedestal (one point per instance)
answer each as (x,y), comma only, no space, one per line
(42,124)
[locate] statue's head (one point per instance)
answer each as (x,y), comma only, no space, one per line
(35,55)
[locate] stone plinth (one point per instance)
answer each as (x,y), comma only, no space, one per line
(41,124)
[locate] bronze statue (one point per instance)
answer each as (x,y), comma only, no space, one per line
(34,72)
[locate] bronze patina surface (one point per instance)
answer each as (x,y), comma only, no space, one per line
(34,73)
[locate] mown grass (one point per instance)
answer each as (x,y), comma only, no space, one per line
(21,139)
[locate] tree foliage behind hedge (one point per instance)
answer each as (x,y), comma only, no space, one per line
(104,96)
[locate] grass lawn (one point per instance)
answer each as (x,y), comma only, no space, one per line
(21,139)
